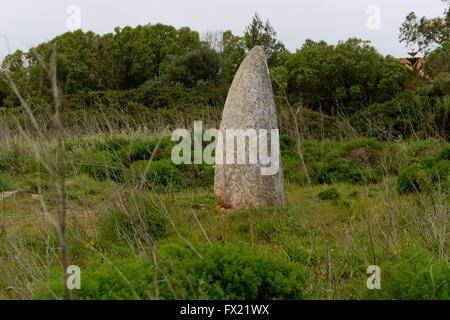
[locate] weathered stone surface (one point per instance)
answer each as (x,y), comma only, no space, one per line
(249,104)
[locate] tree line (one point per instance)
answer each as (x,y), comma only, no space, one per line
(337,80)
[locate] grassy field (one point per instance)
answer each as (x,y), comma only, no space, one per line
(88,186)
(160,235)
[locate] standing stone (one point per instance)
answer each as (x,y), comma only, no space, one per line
(249,104)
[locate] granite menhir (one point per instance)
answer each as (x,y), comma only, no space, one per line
(249,105)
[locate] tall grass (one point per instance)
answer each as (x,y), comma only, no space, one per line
(113,218)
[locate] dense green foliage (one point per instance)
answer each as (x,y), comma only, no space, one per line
(428,173)
(7,183)
(142,214)
(414,275)
(420,112)
(223,272)
(360,76)
(368,135)
(136,218)
(329,194)
(137,70)
(424,33)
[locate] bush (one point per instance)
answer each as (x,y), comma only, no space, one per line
(143,150)
(414,275)
(236,272)
(329,194)
(416,147)
(161,173)
(36,181)
(206,176)
(368,143)
(443,154)
(7,183)
(338,170)
(139,217)
(408,179)
(103,282)
(100,165)
(293,171)
(409,113)
(313,124)
(196,175)
(429,173)
(112,144)
(14,158)
(225,272)
(321,150)
(441,117)
(287,147)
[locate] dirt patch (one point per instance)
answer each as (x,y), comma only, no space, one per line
(7,194)
(365,155)
(429,152)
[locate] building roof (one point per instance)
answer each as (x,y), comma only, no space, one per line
(418,65)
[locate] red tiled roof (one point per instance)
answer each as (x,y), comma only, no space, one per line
(418,65)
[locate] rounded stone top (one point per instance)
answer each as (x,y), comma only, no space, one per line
(250,102)
(257,51)
(249,105)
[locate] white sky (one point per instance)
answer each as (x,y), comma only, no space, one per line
(26,23)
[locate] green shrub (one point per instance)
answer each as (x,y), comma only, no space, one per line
(77,144)
(430,173)
(408,179)
(335,171)
(161,173)
(293,170)
(372,175)
(143,150)
(112,144)
(342,170)
(313,124)
(417,146)
(329,194)
(138,218)
(320,150)
(7,183)
(441,116)
(206,176)
(196,175)
(368,143)
(224,272)
(236,272)
(443,154)
(100,165)
(287,147)
(103,281)
(36,181)
(440,175)
(414,275)
(338,170)
(13,159)
(366,150)
(402,117)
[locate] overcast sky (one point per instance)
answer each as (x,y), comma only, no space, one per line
(26,23)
